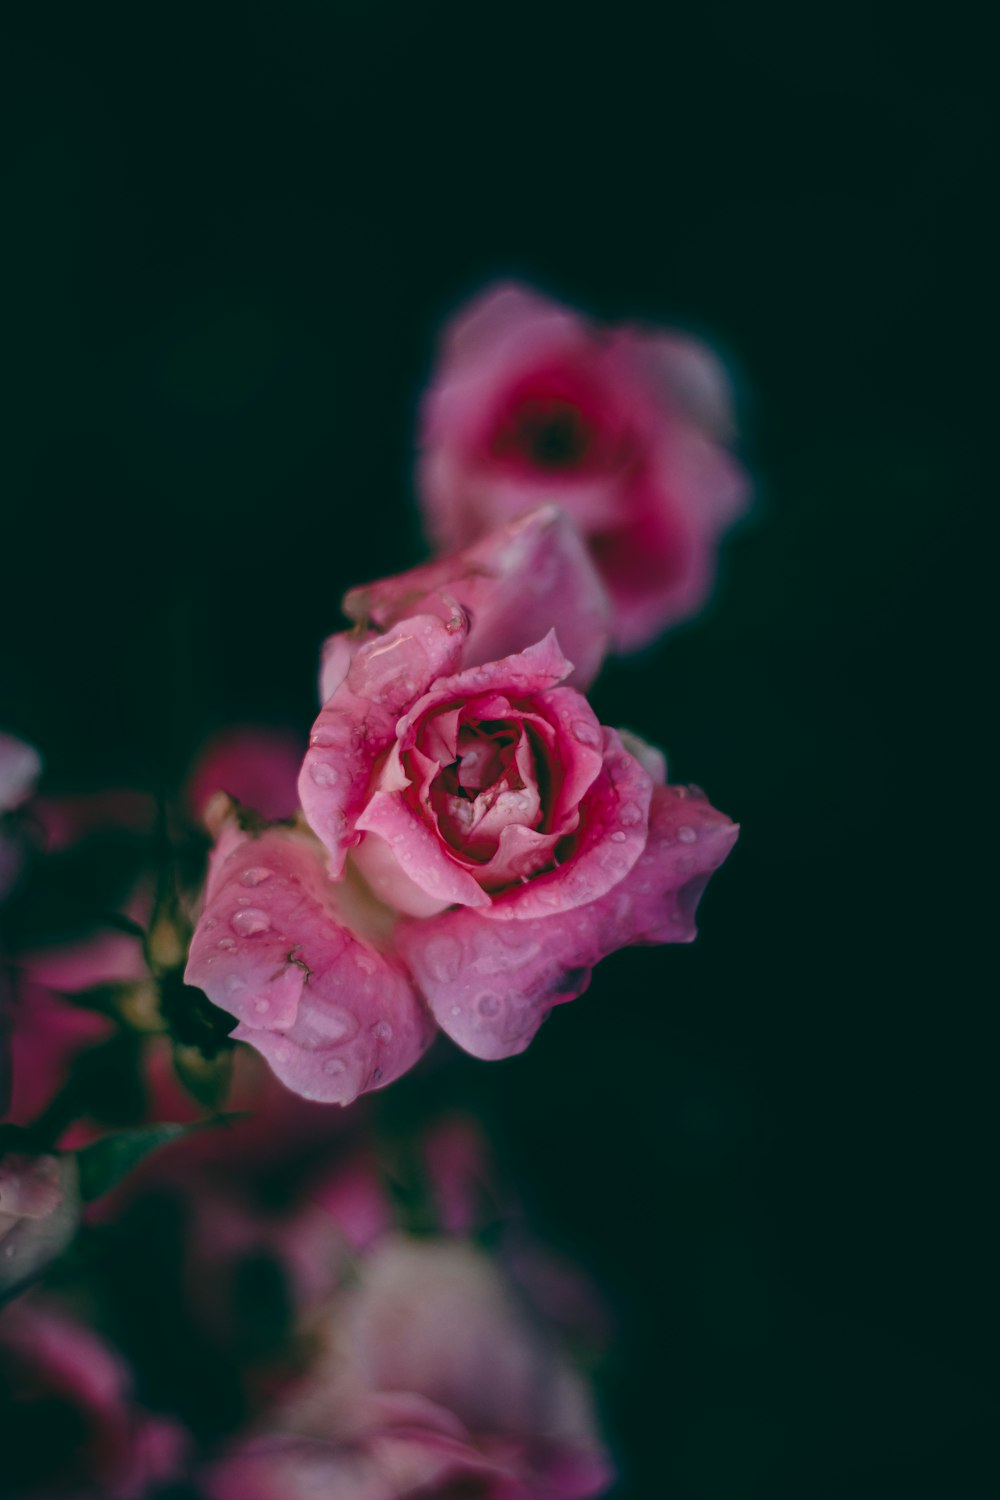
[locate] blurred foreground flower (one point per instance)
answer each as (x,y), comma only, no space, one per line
(434,1382)
(72,1429)
(622,427)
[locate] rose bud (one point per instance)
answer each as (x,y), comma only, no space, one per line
(624,428)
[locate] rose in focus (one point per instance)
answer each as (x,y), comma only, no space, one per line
(626,429)
(476,842)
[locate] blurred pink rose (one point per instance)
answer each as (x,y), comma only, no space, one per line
(624,428)
(433,1382)
(39,1214)
(488,841)
(72,1430)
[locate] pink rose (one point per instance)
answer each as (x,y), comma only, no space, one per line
(624,428)
(433,1381)
(488,842)
(71,1427)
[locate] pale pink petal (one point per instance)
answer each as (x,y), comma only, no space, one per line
(358,722)
(39,1214)
(415,847)
(20,768)
(470,1349)
(491,984)
(332,1014)
(515,584)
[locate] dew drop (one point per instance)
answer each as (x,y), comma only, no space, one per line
(322,774)
(255,876)
(489,1005)
(382,1031)
(235,983)
(629,814)
(619,837)
(686,834)
(587,734)
(333,1066)
(226,943)
(249,920)
(262,1006)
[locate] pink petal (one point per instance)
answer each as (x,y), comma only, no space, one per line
(358,722)
(255,764)
(515,584)
(611,837)
(491,984)
(330,1012)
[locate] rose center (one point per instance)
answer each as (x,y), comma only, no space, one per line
(549,432)
(490,785)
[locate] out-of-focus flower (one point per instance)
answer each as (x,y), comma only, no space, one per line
(256,765)
(624,428)
(39,1213)
(72,1430)
(20,768)
(434,1382)
(488,841)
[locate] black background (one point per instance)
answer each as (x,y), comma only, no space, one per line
(230,237)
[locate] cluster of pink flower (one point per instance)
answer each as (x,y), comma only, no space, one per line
(457,848)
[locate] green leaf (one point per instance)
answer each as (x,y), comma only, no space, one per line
(106,1162)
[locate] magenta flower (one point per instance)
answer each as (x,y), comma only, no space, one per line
(71,1426)
(477,841)
(623,428)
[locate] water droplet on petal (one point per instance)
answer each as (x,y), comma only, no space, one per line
(489,1005)
(619,837)
(262,1006)
(235,983)
(333,1066)
(227,943)
(255,876)
(687,835)
(629,814)
(382,1031)
(249,920)
(586,733)
(322,774)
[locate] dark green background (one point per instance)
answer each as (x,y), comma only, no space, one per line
(229,238)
